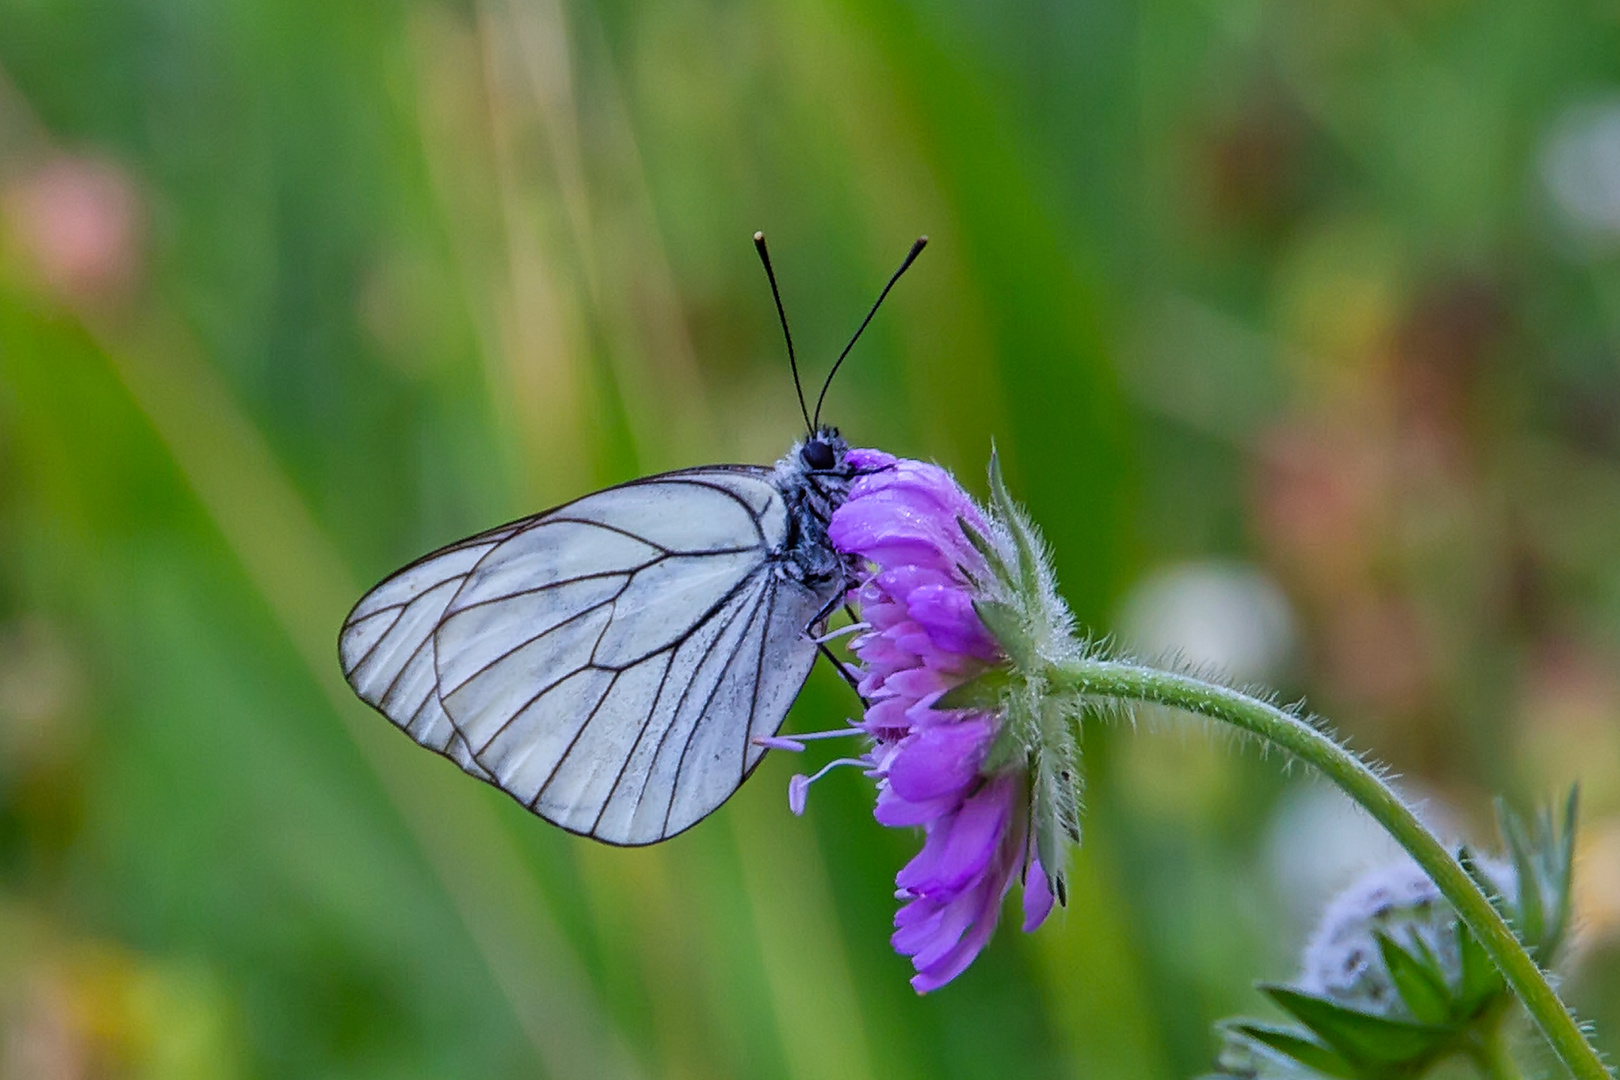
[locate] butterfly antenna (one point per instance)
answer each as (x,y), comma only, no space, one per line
(911,257)
(765,257)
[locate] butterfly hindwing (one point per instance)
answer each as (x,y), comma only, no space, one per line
(386,647)
(607,663)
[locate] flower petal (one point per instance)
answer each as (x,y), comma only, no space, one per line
(955,960)
(940,760)
(947,615)
(1037,896)
(864,459)
(896,813)
(961,846)
(928,940)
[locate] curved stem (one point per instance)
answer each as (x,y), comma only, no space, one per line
(1114,679)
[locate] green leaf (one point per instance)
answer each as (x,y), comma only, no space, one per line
(1562,878)
(1421,986)
(1362,1038)
(1528,916)
(1299,1046)
(1465,856)
(1480,981)
(1425,955)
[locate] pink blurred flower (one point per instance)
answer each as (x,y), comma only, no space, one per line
(78,221)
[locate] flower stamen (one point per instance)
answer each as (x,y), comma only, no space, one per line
(795,743)
(842,631)
(799,786)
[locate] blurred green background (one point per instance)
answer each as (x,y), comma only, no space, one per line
(1297,323)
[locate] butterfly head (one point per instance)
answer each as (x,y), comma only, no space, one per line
(817,465)
(823,451)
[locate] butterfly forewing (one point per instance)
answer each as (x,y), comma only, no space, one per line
(608,662)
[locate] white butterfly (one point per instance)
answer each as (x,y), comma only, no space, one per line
(611,663)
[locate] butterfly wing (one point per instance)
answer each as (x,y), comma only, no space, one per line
(386,646)
(607,663)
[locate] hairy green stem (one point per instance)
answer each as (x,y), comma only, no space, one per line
(1115,679)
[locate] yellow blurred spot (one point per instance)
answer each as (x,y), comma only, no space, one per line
(1597,883)
(72,1008)
(1338,297)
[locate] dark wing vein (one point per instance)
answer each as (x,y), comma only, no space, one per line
(680,763)
(697,623)
(561,519)
(360,663)
(630,572)
(607,692)
(759,675)
(753,515)
(483,669)
(658,695)
(403,668)
(675,712)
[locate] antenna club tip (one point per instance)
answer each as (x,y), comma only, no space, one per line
(759,237)
(922,241)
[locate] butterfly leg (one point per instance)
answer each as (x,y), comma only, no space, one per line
(843,670)
(838,665)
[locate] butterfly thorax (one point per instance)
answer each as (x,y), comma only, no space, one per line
(813,478)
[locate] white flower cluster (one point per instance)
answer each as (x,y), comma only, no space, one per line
(1343,962)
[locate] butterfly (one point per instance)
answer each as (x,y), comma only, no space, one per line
(613,663)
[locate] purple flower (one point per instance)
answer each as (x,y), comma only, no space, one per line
(922,637)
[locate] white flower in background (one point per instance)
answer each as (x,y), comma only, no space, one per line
(1224,618)
(1580,169)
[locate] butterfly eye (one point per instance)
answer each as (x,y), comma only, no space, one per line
(817,455)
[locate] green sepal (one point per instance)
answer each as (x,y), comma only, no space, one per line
(1363,1039)
(1055,815)
(1059,762)
(1421,984)
(992,557)
(1006,626)
(1010,747)
(1298,1045)
(985,692)
(1012,519)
